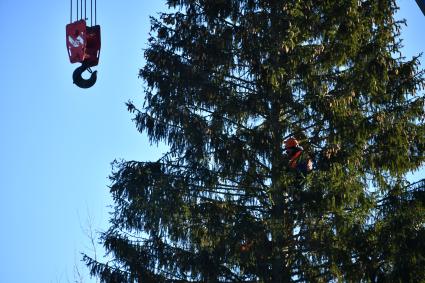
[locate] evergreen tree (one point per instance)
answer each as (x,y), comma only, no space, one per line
(227,82)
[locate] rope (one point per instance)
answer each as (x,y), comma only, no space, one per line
(79,9)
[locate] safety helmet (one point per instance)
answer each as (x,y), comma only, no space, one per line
(290,143)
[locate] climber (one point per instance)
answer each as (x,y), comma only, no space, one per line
(298,159)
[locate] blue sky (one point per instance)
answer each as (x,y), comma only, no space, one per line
(57,140)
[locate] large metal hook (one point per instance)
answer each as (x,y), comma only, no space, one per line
(80,81)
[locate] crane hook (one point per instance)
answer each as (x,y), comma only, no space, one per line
(80,81)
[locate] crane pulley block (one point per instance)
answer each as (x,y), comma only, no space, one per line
(83,43)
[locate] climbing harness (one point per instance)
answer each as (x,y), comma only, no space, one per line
(83,43)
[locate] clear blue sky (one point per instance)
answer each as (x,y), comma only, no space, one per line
(57,141)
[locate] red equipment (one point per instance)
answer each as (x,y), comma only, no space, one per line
(83,45)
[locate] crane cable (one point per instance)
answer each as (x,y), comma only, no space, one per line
(79,10)
(91,12)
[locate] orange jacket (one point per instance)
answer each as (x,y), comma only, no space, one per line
(300,162)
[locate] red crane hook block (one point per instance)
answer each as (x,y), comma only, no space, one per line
(76,40)
(83,44)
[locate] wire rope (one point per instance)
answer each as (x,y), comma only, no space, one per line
(79,10)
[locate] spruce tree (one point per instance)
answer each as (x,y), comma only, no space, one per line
(227,81)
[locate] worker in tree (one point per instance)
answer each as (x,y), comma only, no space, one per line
(298,159)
